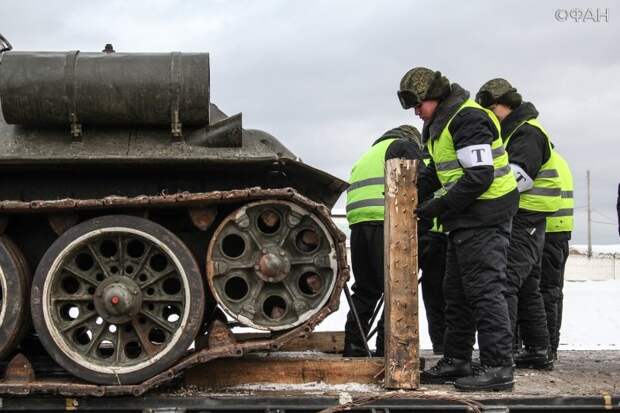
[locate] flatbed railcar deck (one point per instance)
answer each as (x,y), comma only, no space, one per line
(581,381)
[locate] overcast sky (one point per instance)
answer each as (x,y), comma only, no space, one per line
(322,75)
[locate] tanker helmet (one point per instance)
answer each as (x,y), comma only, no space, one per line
(498,90)
(407,132)
(420,84)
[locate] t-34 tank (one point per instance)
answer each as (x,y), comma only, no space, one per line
(144,211)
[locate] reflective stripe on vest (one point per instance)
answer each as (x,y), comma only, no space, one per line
(544,196)
(562,220)
(449,169)
(437,227)
(365,199)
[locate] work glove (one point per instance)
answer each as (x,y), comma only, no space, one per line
(431,208)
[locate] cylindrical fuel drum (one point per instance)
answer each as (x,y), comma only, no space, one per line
(39,88)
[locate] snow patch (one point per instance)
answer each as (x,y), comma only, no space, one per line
(314,388)
(590,320)
(597,250)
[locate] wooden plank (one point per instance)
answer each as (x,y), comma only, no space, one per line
(255,368)
(401,276)
(323,341)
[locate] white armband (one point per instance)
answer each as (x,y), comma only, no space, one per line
(524,181)
(475,155)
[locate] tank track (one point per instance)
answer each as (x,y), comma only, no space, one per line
(19,376)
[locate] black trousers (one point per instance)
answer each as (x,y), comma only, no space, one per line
(555,254)
(433,247)
(474,287)
(367,261)
(525,302)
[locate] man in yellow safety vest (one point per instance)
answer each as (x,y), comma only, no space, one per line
(555,254)
(533,163)
(365,212)
(469,162)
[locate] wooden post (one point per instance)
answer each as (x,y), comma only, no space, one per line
(401,275)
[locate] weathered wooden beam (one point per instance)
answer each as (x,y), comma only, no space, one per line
(401,276)
(323,341)
(257,368)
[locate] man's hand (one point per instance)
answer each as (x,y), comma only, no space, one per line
(431,208)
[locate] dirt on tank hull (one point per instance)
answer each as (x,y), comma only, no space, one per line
(145,220)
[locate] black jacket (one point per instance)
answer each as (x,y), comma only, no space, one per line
(528,147)
(471,126)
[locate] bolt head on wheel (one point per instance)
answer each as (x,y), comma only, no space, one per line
(273,266)
(118,299)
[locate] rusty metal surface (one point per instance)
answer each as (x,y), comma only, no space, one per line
(220,335)
(19,370)
(202,217)
(178,199)
(275,342)
(62,221)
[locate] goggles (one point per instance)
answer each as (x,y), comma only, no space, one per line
(486,99)
(408,99)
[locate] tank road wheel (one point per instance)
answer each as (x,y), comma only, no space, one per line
(14,293)
(117,299)
(271,265)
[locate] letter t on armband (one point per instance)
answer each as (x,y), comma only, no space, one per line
(475,155)
(524,181)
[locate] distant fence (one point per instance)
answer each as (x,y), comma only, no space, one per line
(579,267)
(601,267)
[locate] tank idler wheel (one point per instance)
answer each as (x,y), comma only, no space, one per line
(117,299)
(272,265)
(14,295)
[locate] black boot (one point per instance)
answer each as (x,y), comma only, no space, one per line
(487,378)
(533,358)
(445,371)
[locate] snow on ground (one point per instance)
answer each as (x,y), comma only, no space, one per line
(590,321)
(313,387)
(609,249)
